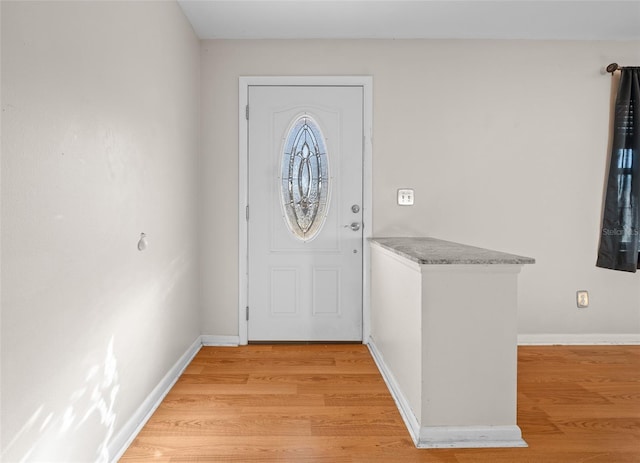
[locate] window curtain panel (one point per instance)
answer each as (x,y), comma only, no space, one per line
(620,220)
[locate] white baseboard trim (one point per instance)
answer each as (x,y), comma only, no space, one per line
(439,437)
(213,340)
(577,339)
(433,437)
(410,420)
(134,425)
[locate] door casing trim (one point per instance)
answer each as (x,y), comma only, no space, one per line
(366,82)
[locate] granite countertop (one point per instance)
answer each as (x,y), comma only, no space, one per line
(432,251)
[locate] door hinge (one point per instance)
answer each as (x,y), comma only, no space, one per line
(246,112)
(246,212)
(247,313)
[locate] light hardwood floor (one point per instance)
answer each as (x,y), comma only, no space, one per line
(329,404)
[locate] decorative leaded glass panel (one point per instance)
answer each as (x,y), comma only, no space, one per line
(305,178)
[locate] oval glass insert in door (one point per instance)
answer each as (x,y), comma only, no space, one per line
(305,178)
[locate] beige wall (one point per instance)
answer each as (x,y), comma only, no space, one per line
(505,143)
(100,130)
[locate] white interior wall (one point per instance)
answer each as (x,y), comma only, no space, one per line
(100,130)
(396,323)
(504,142)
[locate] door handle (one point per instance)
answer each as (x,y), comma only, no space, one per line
(355,226)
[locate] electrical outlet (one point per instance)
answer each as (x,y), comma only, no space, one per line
(405,197)
(582,299)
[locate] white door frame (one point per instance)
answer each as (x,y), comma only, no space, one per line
(366,82)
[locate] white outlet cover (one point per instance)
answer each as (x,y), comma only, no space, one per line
(405,197)
(582,299)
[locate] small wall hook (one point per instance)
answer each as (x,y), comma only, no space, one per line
(142,242)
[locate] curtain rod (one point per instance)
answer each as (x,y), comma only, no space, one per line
(613,67)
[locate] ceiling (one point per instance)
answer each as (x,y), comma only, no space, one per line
(403,19)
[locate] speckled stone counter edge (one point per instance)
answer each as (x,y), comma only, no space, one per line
(433,251)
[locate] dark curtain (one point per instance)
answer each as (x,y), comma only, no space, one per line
(620,222)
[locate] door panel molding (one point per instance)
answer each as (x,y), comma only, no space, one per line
(366,83)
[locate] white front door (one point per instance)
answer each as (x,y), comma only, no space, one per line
(305,213)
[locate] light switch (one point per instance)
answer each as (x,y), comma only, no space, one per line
(405,197)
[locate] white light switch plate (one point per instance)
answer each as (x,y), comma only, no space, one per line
(405,197)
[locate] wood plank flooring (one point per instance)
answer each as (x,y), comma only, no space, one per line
(329,404)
